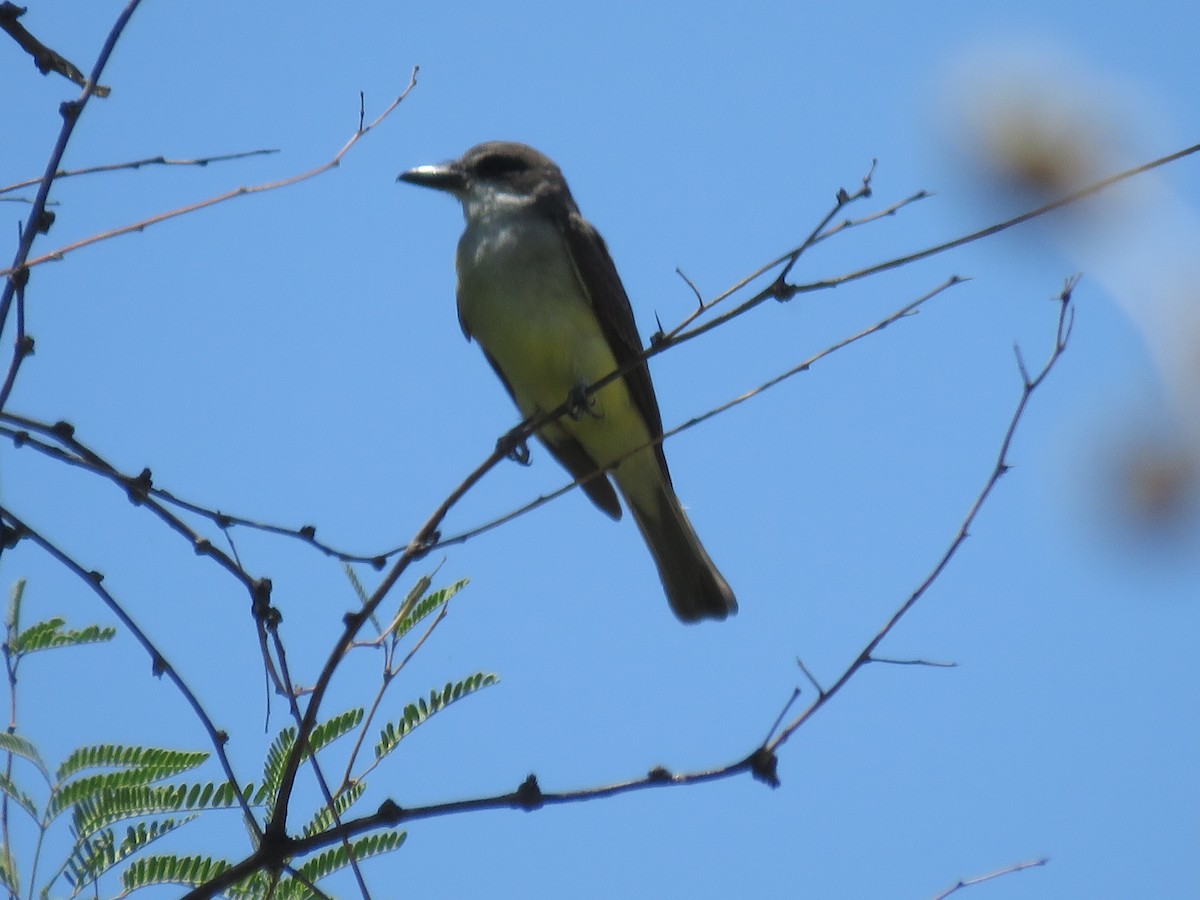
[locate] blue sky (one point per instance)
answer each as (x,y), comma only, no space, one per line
(296,357)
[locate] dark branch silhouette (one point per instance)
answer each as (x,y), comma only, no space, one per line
(44,58)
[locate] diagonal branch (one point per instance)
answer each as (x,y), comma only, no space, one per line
(903,312)
(37,222)
(1028,386)
(44,58)
(997,873)
(160,664)
(137,489)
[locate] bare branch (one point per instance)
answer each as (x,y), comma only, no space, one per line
(159,663)
(787,707)
(788,260)
(137,489)
(142,225)
(44,58)
(936,664)
(1007,870)
(811,680)
(778,290)
(39,219)
(200,161)
(272,625)
(692,285)
(847,224)
(1001,466)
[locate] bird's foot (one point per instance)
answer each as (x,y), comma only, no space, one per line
(579,404)
(514,447)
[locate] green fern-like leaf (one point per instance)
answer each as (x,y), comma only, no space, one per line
(12,616)
(97,856)
(22,799)
(117,756)
(328,732)
(273,766)
(48,635)
(143,833)
(9,880)
(258,886)
(355,584)
(342,802)
(107,808)
(159,764)
(19,746)
(409,602)
(281,749)
(168,869)
(426,605)
(98,852)
(335,858)
(417,713)
(37,635)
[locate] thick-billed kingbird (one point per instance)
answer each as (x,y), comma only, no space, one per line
(539,292)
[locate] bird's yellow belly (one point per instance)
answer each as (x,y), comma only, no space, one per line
(534,322)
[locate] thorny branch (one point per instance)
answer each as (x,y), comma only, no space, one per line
(200,162)
(39,221)
(61,441)
(159,662)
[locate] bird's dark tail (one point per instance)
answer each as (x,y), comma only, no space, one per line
(694,587)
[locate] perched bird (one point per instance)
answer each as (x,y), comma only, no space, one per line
(539,292)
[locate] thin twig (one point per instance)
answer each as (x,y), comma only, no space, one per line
(1062,333)
(243,191)
(691,284)
(389,677)
(811,680)
(847,224)
(999,873)
(932,663)
(903,312)
(843,199)
(37,221)
(200,161)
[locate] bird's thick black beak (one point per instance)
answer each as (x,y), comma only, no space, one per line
(443,177)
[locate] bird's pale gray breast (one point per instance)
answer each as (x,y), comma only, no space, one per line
(515,274)
(520,298)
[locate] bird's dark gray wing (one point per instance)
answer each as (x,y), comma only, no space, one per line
(602,285)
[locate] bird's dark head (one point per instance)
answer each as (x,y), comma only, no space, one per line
(493,172)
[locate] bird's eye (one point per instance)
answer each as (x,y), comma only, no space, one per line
(499,164)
